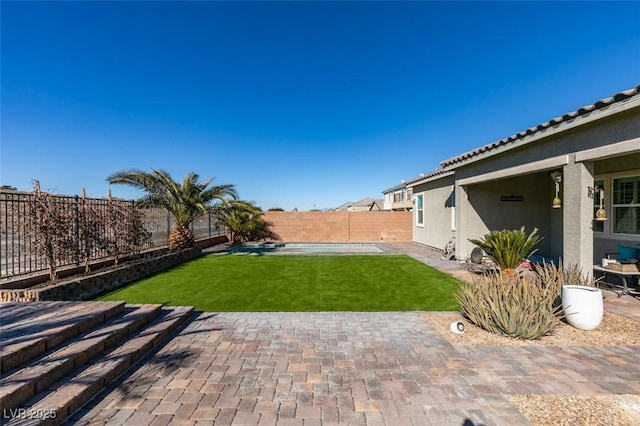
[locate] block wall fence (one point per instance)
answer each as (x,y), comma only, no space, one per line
(341,226)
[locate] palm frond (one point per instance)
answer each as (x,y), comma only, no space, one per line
(508,248)
(186,200)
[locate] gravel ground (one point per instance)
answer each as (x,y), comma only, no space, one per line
(615,330)
(587,410)
(561,410)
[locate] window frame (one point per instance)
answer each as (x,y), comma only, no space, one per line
(614,206)
(419,210)
(609,226)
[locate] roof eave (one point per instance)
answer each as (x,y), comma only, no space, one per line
(597,111)
(439,174)
(394,188)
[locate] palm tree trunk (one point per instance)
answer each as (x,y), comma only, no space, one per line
(181,238)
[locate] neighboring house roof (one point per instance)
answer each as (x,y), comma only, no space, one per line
(395,188)
(370,203)
(447,166)
(377,205)
(345,205)
(365,202)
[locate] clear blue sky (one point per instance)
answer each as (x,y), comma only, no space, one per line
(299,104)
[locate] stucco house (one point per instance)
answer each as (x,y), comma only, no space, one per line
(398,197)
(364,205)
(512,182)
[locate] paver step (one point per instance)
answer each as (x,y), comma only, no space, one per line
(64,397)
(32,333)
(21,384)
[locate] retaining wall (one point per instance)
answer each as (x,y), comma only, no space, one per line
(341,226)
(82,288)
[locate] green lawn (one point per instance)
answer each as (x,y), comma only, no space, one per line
(298,284)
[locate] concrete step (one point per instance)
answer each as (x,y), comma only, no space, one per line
(61,399)
(19,385)
(30,329)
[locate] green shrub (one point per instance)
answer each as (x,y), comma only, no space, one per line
(510,305)
(508,248)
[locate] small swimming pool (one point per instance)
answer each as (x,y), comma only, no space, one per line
(306,248)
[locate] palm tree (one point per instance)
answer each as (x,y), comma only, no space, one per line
(185,201)
(508,248)
(245,221)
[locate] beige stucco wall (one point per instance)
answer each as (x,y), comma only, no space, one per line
(524,170)
(486,212)
(438,204)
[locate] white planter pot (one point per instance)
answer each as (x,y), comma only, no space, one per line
(582,306)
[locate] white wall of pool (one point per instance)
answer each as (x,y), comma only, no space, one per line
(308,248)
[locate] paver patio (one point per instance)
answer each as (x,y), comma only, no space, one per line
(388,368)
(349,368)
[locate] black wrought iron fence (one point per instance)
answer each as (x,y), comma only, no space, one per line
(86,230)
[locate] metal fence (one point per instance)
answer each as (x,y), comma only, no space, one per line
(18,251)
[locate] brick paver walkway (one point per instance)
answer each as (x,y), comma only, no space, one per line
(349,368)
(388,368)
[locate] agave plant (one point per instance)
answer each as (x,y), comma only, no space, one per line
(510,305)
(185,201)
(553,277)
(508,248)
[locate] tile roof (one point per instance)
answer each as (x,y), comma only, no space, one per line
(618,97)
(447,166)
(429,176)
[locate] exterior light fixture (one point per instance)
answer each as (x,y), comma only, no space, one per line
(457,327)
(601,214)
(557,178)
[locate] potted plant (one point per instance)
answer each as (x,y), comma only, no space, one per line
(508,248)
(581,299)
(582,302)
(582,306)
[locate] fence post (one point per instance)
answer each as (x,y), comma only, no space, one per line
(19,253)
(78,243)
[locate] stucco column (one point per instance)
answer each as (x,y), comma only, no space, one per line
(577,238)
(463,246)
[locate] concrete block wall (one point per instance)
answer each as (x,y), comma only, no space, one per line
(341,226)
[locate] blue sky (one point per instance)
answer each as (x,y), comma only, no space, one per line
(299,104)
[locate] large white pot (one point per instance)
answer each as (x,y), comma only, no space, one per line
(582,306)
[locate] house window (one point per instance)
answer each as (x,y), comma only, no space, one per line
(626,205)
(420,210)
(597,226)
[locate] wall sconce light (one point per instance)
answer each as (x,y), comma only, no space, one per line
(557,178)
(601,214)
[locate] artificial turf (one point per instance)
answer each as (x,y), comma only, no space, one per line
(231,283)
